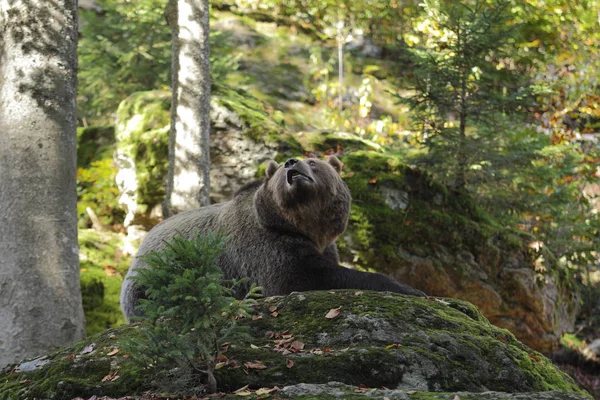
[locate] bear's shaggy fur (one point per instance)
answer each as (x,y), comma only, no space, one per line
(281,233)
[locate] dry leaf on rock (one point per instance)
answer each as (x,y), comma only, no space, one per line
(112,353)
(334,312)
(255,365)
(88,349)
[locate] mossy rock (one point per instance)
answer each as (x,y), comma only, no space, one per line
(405,224)
(378,339)
(327,141)
(142,131)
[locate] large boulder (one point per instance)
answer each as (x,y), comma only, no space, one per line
(408,345)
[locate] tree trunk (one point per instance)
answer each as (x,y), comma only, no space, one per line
(188,180)
(40,298)
(461,153)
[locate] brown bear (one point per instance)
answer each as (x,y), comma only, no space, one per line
(281,233)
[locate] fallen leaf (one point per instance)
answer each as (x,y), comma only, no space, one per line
(358,293)
(411,392)
(255,364)
(88,349)
(256,317)
(349,175)
(111,377)
(70,356)
(263,391)
(220,365)
(243,391)
(113,336)
(334,312)
(289,363)
(272,308)
(25,381)
(112,353)
(296,345)
(373,179)
(331,292)
(253,346)
(274,314)
(444,302)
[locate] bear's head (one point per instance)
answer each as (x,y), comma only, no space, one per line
(306,196)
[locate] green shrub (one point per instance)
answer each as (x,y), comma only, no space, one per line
(191,314)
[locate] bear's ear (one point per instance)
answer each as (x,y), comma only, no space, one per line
(335,163)
(271,168)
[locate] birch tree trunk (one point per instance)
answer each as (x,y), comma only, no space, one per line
(40,298)
(188,179)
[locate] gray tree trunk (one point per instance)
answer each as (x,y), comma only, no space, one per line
(188,180)
(40,298)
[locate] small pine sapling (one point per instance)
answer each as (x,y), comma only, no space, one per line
(191,313)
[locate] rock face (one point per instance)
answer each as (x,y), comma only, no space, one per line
(405,344)
(404,224)
(142,132)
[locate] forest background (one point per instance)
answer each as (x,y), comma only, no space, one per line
(498,99)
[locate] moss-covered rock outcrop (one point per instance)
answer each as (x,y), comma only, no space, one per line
(406,225)
(378,339)
(243,135)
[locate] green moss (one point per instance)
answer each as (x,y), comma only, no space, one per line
(571,341)
(324,141)
(432,215)
(258,121)
(143,134)
(75,372)
(102,269)
(94,143)
(378,339)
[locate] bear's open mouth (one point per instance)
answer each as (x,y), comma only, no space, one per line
(292,175)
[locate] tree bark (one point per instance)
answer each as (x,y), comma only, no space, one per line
(40,298)
(188,180)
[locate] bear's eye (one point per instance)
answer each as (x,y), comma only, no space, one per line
(312,163)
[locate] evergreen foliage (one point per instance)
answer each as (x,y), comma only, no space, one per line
(191,313)
(127,48)
(462,87)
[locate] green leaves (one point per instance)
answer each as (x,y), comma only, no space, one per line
(192,311)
